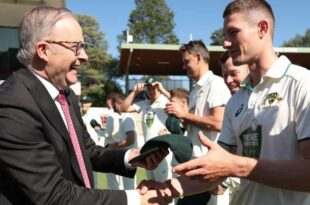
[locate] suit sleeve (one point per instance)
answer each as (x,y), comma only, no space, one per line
(104,159)
(30,170)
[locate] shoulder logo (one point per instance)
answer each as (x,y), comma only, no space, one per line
(239,110)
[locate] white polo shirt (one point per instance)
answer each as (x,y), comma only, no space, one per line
(153,116)
(267,123)
(209,92)
(126,124)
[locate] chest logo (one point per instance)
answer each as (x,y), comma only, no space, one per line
(272,98)
(251,140)
(149,119)
(239,110)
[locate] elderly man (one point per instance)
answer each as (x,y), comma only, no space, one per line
(46,154)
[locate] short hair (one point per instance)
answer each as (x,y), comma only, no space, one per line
(195,47)
(224,57)
(117,98)
(35,26)
(247,7)
(180,93)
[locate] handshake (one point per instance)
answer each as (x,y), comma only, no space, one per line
(156,193)
(202,174)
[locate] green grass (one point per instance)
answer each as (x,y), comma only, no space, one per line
(102,179)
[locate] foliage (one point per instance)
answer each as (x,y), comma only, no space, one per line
(151,22)
(217,37)
(299,41)
(97,74)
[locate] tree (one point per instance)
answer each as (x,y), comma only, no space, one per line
(217,37)
(96,75)
(299,41)
(151,22)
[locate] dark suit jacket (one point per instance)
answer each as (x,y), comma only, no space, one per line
(37,160)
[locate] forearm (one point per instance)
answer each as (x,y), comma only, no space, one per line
(165,92)
(128,101)
(284,174)
(184,186)
(129,140)
(204,122)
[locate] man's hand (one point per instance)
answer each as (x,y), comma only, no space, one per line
(219,190)
(163,132)
(150,162)
(164,194)
(154,197)
(138,88)
(175,109)
(213,166)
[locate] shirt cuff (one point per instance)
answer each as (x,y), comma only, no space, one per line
(127,164)
(133,197)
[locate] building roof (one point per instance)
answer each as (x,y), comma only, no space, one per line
(11,11)
(157,59)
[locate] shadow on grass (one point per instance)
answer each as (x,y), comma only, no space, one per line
(102,179)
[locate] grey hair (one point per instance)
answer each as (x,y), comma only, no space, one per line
(35,26)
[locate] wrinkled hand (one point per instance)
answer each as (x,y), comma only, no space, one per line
(175,109)
(150,162)
(164,194)
(213,166)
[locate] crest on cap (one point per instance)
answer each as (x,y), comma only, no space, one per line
(150,80)
(86,99)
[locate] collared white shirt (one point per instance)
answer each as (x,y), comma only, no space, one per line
(279,106)
(133,197)
(126,124)
(153,116)
(53,91)
(209,92)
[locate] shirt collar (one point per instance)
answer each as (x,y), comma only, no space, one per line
(203,79)
(279,68)
(51,89)
(246,84)
(159,99)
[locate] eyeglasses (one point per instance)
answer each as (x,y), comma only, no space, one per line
(77,48)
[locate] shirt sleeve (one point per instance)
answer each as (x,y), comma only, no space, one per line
(138,106)
(112,127)
(133,197)
(219,93)
(129,124)
(227,134)
(302,108)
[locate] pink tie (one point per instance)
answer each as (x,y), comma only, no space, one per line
(64,106)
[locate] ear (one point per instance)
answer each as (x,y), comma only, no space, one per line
(263,28)
(41,50)
(184,102)
(199,57)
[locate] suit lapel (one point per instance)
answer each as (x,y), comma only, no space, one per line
(44,102)
(49,109)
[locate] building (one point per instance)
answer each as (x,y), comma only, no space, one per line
(156,59)
(11,12)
